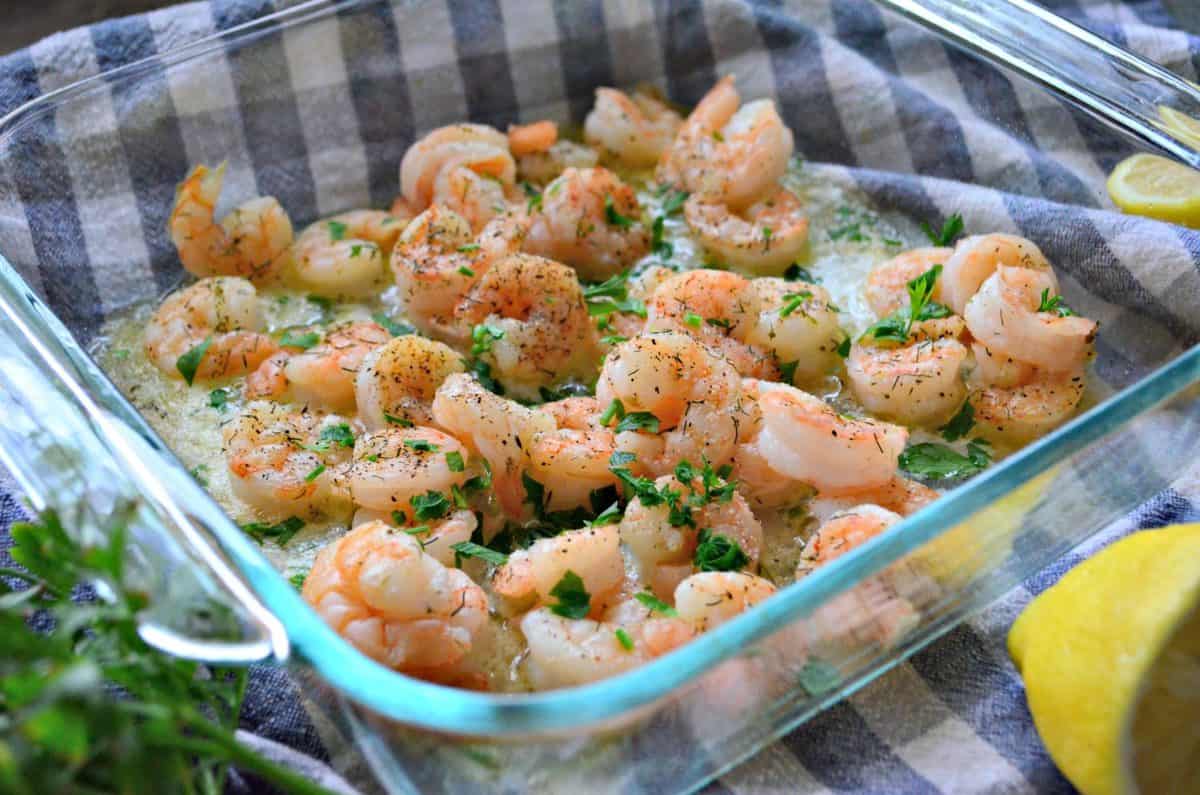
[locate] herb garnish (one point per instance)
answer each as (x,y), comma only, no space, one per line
(304,341)
(938,462)
(469,549)
(573,599)
(951,229)
(897,326)
(430,505)
(1054,304)
(614,218)
(717,552)
(281,532)
(624,639)
(189,363)
(337,230)
(655,604)
(454,461)
(218,398)
(960,424)
(483,336)
(396,329)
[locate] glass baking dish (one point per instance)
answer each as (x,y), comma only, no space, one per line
(315,105)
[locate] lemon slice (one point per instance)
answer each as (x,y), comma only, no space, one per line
(1181,125)
(1111,661)
(1158,188)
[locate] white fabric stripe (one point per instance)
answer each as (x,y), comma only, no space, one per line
(774,769)
(317,66)
(427,50)
(529,24)
(17,240)
(936,743)
(110,220)
(633,43)
(730,28)
(205,98)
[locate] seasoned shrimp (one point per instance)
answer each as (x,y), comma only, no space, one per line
(279,463)
(537,324)
(765,238)
(712,307)
(254,241)
(572,461)
(633,129)
(639,288)
(438,259)
(887,285)
(394,466)
(466,168)
(802,438)
(564,652)
(916,384)
(399,379)
(399,606)
(899,495)
(500,430)
(1003,315)
(590,220)
(323,375)
(664,551)
(692,393)
(344,256)
(976,258)
(593,554)
(798,323)
(437,536)
(711,598)
(843,532)
(526,139)
(219,312)
(1018,414)
(542,167)
(728,154)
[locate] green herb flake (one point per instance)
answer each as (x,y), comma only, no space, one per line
(421,445)
(291,339)
(430,505)
(787,372)
(218,398)
(339,435)
(614,218)
(658,244)
(403,422)
(395,328)
(655,605)
(121,353)
(319,301)
(960,424)
(468,248)
(419,530)
(624,639)
(642,421)
(674,201)
(465,271)
(337,230)
(573,599)
(615,410)
(950,231)
(189,363)
(280,532)
(843,348)
(315,473)
(297,579)
(793,301)
(454,461)
(1054,305)
(693,320)
(482,338)
(197,472)
(469,549)
(717,552)
(931,461)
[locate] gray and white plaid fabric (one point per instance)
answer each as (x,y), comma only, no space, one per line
(916,125)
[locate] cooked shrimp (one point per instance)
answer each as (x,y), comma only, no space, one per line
(538,326)
(399,379)
(466,168)
(1003,315)
(798,323)
(399,606)
(800,437)
(254,241)
(279,463)
(976,258)
(344,256)
(843,532)
(638,288)
(593,554)
(323,375)
(500,430)
(711,598)
(438,259)
(916,384)
(664,551)
(887,285)
(590,220)
(437,536)
(1018,414)
(634,129)
(395,465)
(220,312)
(525,139)
(564,652)
(726,154)
(572,461)
(994,368)
(712,307)
(765,238)
(692,393)
(542,167)
(899,495)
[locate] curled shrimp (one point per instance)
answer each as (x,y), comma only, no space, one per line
(887,285)
(394,466)
(728,154)
(1003,316)
(633,129)
(1017,414)
(593,554)
(279,463)
(664,551)
(544,166)
(710,598)
(254,241)
(765,238)
(713,307)
(916,384)
(323,375)
(797,323)
(396,604)
(572,461)
(537,324)
(976,258)
(500,430)
(344,256)
(466,168)
(843,532)
(590,220)
(220,313)
(527,139)
(692,393)
(398,380)
(438,259)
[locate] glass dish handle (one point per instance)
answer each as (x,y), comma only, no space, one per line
(96,467)
(1141,98)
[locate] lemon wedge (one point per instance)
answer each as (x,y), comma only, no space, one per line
(1111,661)
(1181,125)
(1158,188)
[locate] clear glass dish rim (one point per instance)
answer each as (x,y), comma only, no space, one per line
(438,708)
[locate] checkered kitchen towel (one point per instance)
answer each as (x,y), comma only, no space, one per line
(320,122)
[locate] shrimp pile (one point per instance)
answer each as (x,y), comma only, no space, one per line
(539,417)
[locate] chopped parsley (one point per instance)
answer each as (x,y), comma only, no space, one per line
(655,604)
(396,329)
(218,398)
(717,552)
(843,348)
(421,445)
(339,435)
(281,532)
(197,472)
(469,549)
(573,599)
(793,301)
(610,515)
(315,473)
(624,639)
(1054,304)
(534,205)
(483,372)
(189,363)
(297,579)
(614,218)
(337,230)
(932,461)
(658,244)
(303,341)
(465,271)
(787,371)
(403,422)
(897,326)
(430,505)
(454,461)
(950,231)
(693,320)
(615,410)
(674,200)
(638,421)
(535,493)
(960,424)
(468,248)
(319,301)
(356,249)
(483,336)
